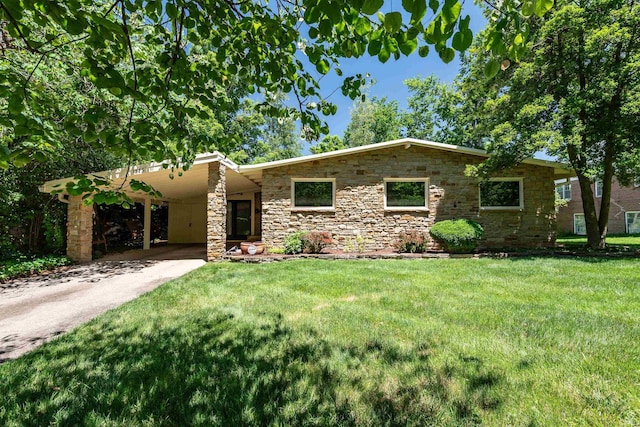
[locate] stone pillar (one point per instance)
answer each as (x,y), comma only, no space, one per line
(79,230)
(216,211)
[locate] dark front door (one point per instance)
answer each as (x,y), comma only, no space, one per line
(238,219)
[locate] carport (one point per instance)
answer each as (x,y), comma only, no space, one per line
(208,203)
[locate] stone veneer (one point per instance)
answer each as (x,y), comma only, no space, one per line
(359,204)
(216,211)
(79,230)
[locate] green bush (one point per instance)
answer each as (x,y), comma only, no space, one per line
(23,266)
(293,243)
(458,236)
(412,242)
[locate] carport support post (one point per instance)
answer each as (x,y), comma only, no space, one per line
(146,241)
(216,211)
(79,229)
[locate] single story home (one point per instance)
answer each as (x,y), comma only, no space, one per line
(375,191)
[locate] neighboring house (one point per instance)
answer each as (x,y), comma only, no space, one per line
(624,213)
(376,191)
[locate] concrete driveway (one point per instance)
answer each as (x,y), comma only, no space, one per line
(36,309)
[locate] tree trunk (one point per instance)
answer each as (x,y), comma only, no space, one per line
(594,239)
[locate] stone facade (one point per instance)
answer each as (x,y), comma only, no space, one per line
(216,211)
(623,200)
(79,230)
(359,201)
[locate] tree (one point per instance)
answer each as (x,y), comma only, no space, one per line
(373,120)
(434,112)
(575,95)
(264,138)
(328,143)
(168,61)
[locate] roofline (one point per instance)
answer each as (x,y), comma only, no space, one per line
(388,144)
(131,172)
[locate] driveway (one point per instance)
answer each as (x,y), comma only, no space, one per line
(36,309)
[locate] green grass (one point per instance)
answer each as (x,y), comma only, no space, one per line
(521,342)
(25,265)
(621,241)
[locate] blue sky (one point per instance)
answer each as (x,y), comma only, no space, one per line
(389,77)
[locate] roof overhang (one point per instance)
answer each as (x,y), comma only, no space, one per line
(254,172)
(174,184)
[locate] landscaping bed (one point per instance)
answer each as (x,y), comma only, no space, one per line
(24,266)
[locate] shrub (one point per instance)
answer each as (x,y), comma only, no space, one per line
(275,250)
(315,241)
(412,242)
(359,244)
(293,243)
(24,266)
(457,235)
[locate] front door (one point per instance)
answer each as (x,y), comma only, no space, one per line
(238,219)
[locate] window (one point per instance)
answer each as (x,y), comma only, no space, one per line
(633,222)
(313,193)
(579,226)
(502,193)
(598,186)
(406,193)
(564,191)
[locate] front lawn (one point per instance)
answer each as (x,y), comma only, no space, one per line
(522,342)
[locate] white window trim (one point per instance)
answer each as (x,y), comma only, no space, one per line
(595,188)
(503,208)
(313,208)
(424,208)
(564,191)
(574,224)
(626,221)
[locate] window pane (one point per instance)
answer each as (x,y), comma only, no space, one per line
(406,194)
(500,194)
(313,194)
(633,222)
(579,226)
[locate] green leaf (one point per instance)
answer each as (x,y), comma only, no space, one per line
(418,12)
(462,40)
(374,47)
(363,26)
(392,22)
(369,7)
(450,12)
(172,11)
(384,55)
(434,5)
(16,104)
(447,55)
(408,46)
(518,39)
(542,7)
(528,8)
(408,5)
(323,66)
(423,51)
(491,68)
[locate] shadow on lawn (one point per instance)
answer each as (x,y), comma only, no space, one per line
(211,369)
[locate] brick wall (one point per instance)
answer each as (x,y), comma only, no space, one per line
(623,199)
(359,206)
(216,211)
(79,230)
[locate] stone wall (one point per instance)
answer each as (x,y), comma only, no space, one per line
(79,230)
(623,199)
(216,211)
(359,205)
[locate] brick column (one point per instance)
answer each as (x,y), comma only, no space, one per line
(79,230)
(216,211)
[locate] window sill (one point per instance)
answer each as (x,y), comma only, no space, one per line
(312,209)
(406,209)
(501,208)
